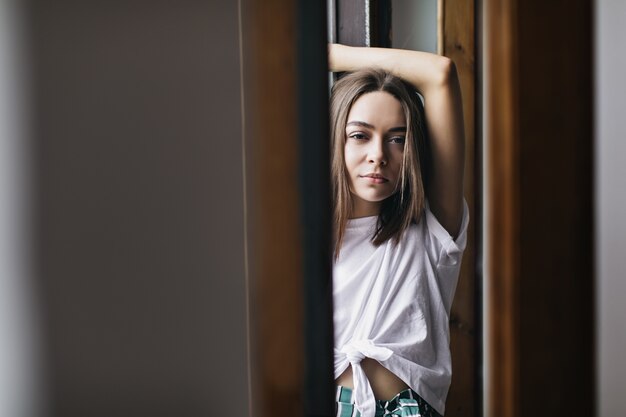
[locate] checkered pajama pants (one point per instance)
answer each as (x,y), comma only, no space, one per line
(405,404)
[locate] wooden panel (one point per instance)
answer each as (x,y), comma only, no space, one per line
(274,248)
(458,43)
(503,225)
(288,190)
(540,183)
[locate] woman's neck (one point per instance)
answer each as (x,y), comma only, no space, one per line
(364,208)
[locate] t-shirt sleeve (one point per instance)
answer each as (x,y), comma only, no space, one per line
(449,251)
(446,253)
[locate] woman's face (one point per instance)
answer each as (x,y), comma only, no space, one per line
(375,136)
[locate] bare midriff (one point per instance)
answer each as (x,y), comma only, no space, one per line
(384,383)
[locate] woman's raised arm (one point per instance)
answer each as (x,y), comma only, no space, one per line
(436,79)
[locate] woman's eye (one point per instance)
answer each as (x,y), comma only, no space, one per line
(397,139)
(357,136)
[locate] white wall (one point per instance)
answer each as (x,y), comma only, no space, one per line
(610,117)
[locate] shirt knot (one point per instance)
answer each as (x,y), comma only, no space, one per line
(356,351)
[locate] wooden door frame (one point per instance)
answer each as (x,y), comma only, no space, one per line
(540,188)
(284,55)
(459,35)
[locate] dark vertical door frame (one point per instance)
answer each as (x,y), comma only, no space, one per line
(315,206)
(540,182)
(288,201)
(363,22)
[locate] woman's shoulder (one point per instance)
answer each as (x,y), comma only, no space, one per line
(449,248)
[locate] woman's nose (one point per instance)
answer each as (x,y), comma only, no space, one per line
(376,153)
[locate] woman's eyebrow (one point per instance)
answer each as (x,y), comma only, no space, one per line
(369,126)
(358,123)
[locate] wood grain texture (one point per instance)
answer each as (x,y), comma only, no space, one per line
(457,41)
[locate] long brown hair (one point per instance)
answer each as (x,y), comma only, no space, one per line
(405,206)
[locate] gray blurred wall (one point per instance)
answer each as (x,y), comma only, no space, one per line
(610,67)
(122,238)
(20,393)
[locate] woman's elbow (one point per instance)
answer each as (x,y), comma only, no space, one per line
(446,71)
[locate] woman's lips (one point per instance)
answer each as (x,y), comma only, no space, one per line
(374,178)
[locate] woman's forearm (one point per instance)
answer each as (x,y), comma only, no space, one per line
(422,69)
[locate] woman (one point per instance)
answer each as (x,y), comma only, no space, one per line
(400,228)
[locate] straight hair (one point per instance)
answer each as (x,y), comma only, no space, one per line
(405,206)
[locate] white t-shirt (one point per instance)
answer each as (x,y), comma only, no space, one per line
(392,304)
